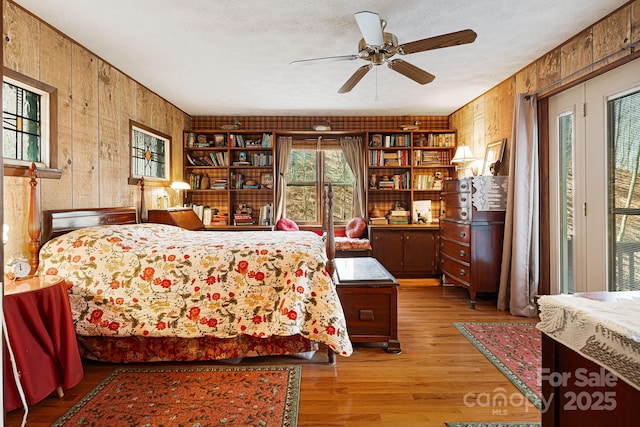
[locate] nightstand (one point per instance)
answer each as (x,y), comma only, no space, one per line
(42,337)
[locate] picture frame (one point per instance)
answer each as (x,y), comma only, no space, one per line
(493,155)
(266,180)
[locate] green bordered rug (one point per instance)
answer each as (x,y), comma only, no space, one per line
(493,424)
(190,396)
(515,348)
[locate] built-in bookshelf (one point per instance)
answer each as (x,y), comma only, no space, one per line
(406,171)
(231,177)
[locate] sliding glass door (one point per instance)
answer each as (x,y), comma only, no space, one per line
(594,194)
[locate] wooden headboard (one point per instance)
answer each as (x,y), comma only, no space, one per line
(57,222)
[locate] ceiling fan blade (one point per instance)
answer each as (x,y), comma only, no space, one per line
(370,27)
(411,71)
(355,78)
(325,59)
(437,42)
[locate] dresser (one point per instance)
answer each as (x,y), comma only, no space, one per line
(471,232)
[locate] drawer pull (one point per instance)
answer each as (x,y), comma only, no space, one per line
(462,253)
(462,272)
(441,245)
(464,199)
(463,186)
(463,214)
(463,234)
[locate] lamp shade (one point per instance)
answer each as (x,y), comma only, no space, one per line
(463,155)
(180,185)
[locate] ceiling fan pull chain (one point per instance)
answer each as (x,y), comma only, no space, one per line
(377,97)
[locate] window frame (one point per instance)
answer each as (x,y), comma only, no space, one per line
(134,179)
(320,183)
(49,127)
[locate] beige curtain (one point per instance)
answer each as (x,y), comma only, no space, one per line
(283,150)
(520,274)
(356,156)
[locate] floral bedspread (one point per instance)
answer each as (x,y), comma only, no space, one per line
(158,280)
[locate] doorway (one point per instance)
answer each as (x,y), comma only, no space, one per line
(594,136)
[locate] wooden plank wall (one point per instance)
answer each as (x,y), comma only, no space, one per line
(489,117)
(95,103)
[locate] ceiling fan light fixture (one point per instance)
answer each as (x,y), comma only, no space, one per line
(378,47)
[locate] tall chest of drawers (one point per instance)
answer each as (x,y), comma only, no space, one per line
(471,232)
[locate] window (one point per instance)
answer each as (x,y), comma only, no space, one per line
(309,171)
(149,153)
(26,106)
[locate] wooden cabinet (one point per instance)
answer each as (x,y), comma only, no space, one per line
(228,170)
(406,251)
(369,297)
(471,233)
(181,217)
(405,167)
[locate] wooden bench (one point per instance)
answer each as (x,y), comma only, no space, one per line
(369,296)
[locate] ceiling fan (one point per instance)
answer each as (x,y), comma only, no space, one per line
(379,47)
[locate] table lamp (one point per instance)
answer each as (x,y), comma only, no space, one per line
(464,156)
(178,186)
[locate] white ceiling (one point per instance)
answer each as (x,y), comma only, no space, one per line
(223,57)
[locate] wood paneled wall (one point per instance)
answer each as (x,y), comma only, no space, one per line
(489,117)
(95,103)
(605,44)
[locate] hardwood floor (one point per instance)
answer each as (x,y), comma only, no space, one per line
(425,385)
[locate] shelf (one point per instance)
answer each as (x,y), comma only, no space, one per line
(226,147)
(424,157)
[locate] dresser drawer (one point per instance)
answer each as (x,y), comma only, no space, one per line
(455,232)
(456,271)
(457,200)
(457,213)
(455,251)
(456,185)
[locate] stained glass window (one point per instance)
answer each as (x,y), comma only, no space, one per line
(149,154)
(22,124)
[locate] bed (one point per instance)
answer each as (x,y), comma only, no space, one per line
(143,292)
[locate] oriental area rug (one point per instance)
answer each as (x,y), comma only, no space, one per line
(515,348)
(191,396)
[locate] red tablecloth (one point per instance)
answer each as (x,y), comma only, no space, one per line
(43,339)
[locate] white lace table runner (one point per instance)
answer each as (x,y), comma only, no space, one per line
(607,333)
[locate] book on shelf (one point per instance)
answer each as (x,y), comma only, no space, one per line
(398,220)
(378,220)
(422,212)
(199,210)
(266,214)
(206,216)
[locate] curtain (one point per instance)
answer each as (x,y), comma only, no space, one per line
(355,155)
(520,273)
(283,150)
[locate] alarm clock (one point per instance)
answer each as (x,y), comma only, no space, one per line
(17,268)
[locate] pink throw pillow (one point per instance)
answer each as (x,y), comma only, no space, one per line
(286,224)
(355,228)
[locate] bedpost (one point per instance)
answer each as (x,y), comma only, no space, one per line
(35,224)
(143,204)
(331,243)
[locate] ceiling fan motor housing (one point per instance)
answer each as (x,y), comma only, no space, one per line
(378,55)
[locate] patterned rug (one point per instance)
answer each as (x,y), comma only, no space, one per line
(493,424)
(189,396)
(514,348)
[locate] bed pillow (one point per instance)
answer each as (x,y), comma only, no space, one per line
(285,224)
(355,228)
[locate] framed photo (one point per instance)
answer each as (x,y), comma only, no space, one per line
(493,155)
(266,180)
(149,153)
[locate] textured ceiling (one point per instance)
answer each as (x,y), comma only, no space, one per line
(211,57)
